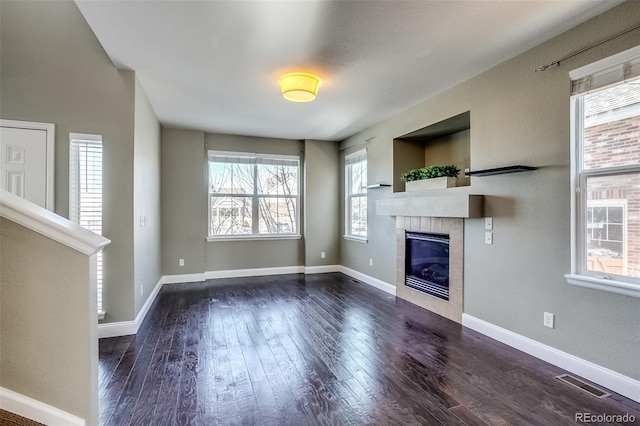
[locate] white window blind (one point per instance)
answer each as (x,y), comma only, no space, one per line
(612,70)
(85,190)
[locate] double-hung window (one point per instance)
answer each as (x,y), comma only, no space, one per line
(253,195)
(356,195)
(85,191)
(605,108)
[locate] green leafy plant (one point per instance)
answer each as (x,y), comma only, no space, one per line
(430,172)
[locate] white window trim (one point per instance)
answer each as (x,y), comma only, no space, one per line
(254,236)
(608,285)
(251,237)
(578,275)
(347,206)
(356,239)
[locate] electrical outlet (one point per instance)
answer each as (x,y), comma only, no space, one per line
(488,237)
(549,320)
(181,262)
(488,223)
(371,262)
(323,255)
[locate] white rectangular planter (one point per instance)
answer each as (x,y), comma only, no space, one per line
(433,183)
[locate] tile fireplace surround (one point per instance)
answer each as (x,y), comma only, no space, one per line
(442,214)
(451,309)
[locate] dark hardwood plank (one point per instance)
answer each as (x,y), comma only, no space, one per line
(321,349)
(167,402)
(150,392)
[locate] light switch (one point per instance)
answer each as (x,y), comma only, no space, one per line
(488,237)
(488,223)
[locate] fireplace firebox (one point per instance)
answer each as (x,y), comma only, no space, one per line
(427,263)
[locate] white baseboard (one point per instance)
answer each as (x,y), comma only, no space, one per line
(35,410)
(115,329)
(610,379)
(379,284)
(183,278)
(254,272)
(322,269)
(125,328)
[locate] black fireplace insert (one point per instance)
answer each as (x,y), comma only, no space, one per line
(427,263)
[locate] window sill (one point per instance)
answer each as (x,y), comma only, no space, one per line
(356,239)
(254,238)
(608,285)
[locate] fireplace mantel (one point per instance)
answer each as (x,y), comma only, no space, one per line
(462,206)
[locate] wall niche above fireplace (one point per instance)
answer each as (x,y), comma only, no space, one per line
(444,142)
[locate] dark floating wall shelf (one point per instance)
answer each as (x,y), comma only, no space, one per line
(500,171)
(377,185)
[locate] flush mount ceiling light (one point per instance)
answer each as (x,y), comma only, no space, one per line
(299,86)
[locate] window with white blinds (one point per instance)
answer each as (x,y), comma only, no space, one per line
(85,190)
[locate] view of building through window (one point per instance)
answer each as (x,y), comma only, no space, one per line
(252,195)
(610,150)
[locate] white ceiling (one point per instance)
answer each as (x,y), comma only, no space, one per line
(215,65)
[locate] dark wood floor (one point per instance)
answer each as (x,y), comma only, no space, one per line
(322,349)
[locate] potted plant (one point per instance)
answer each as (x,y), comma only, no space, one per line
(431,177)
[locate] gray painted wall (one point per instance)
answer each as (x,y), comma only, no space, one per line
(183,201)
(48,343)
(184,206)
(54,70)
(519,117)
(146,175)
(255,254)
(321,208)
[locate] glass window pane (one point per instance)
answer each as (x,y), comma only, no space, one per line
(277,215)
(230,216)
(358,177)
(612,127)
(614,232)
(229,178)
(613,246)
(599,215)
(354,183)
(363,178)
(277,180)
(615,214)
(359,216)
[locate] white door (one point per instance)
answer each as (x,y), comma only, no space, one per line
(26,160)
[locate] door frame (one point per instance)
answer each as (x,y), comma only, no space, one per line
(50,131)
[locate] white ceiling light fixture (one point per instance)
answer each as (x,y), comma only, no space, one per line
(299,86)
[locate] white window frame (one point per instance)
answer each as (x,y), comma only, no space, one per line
(351,159)
(601,74)
(255,159)
(75,214)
